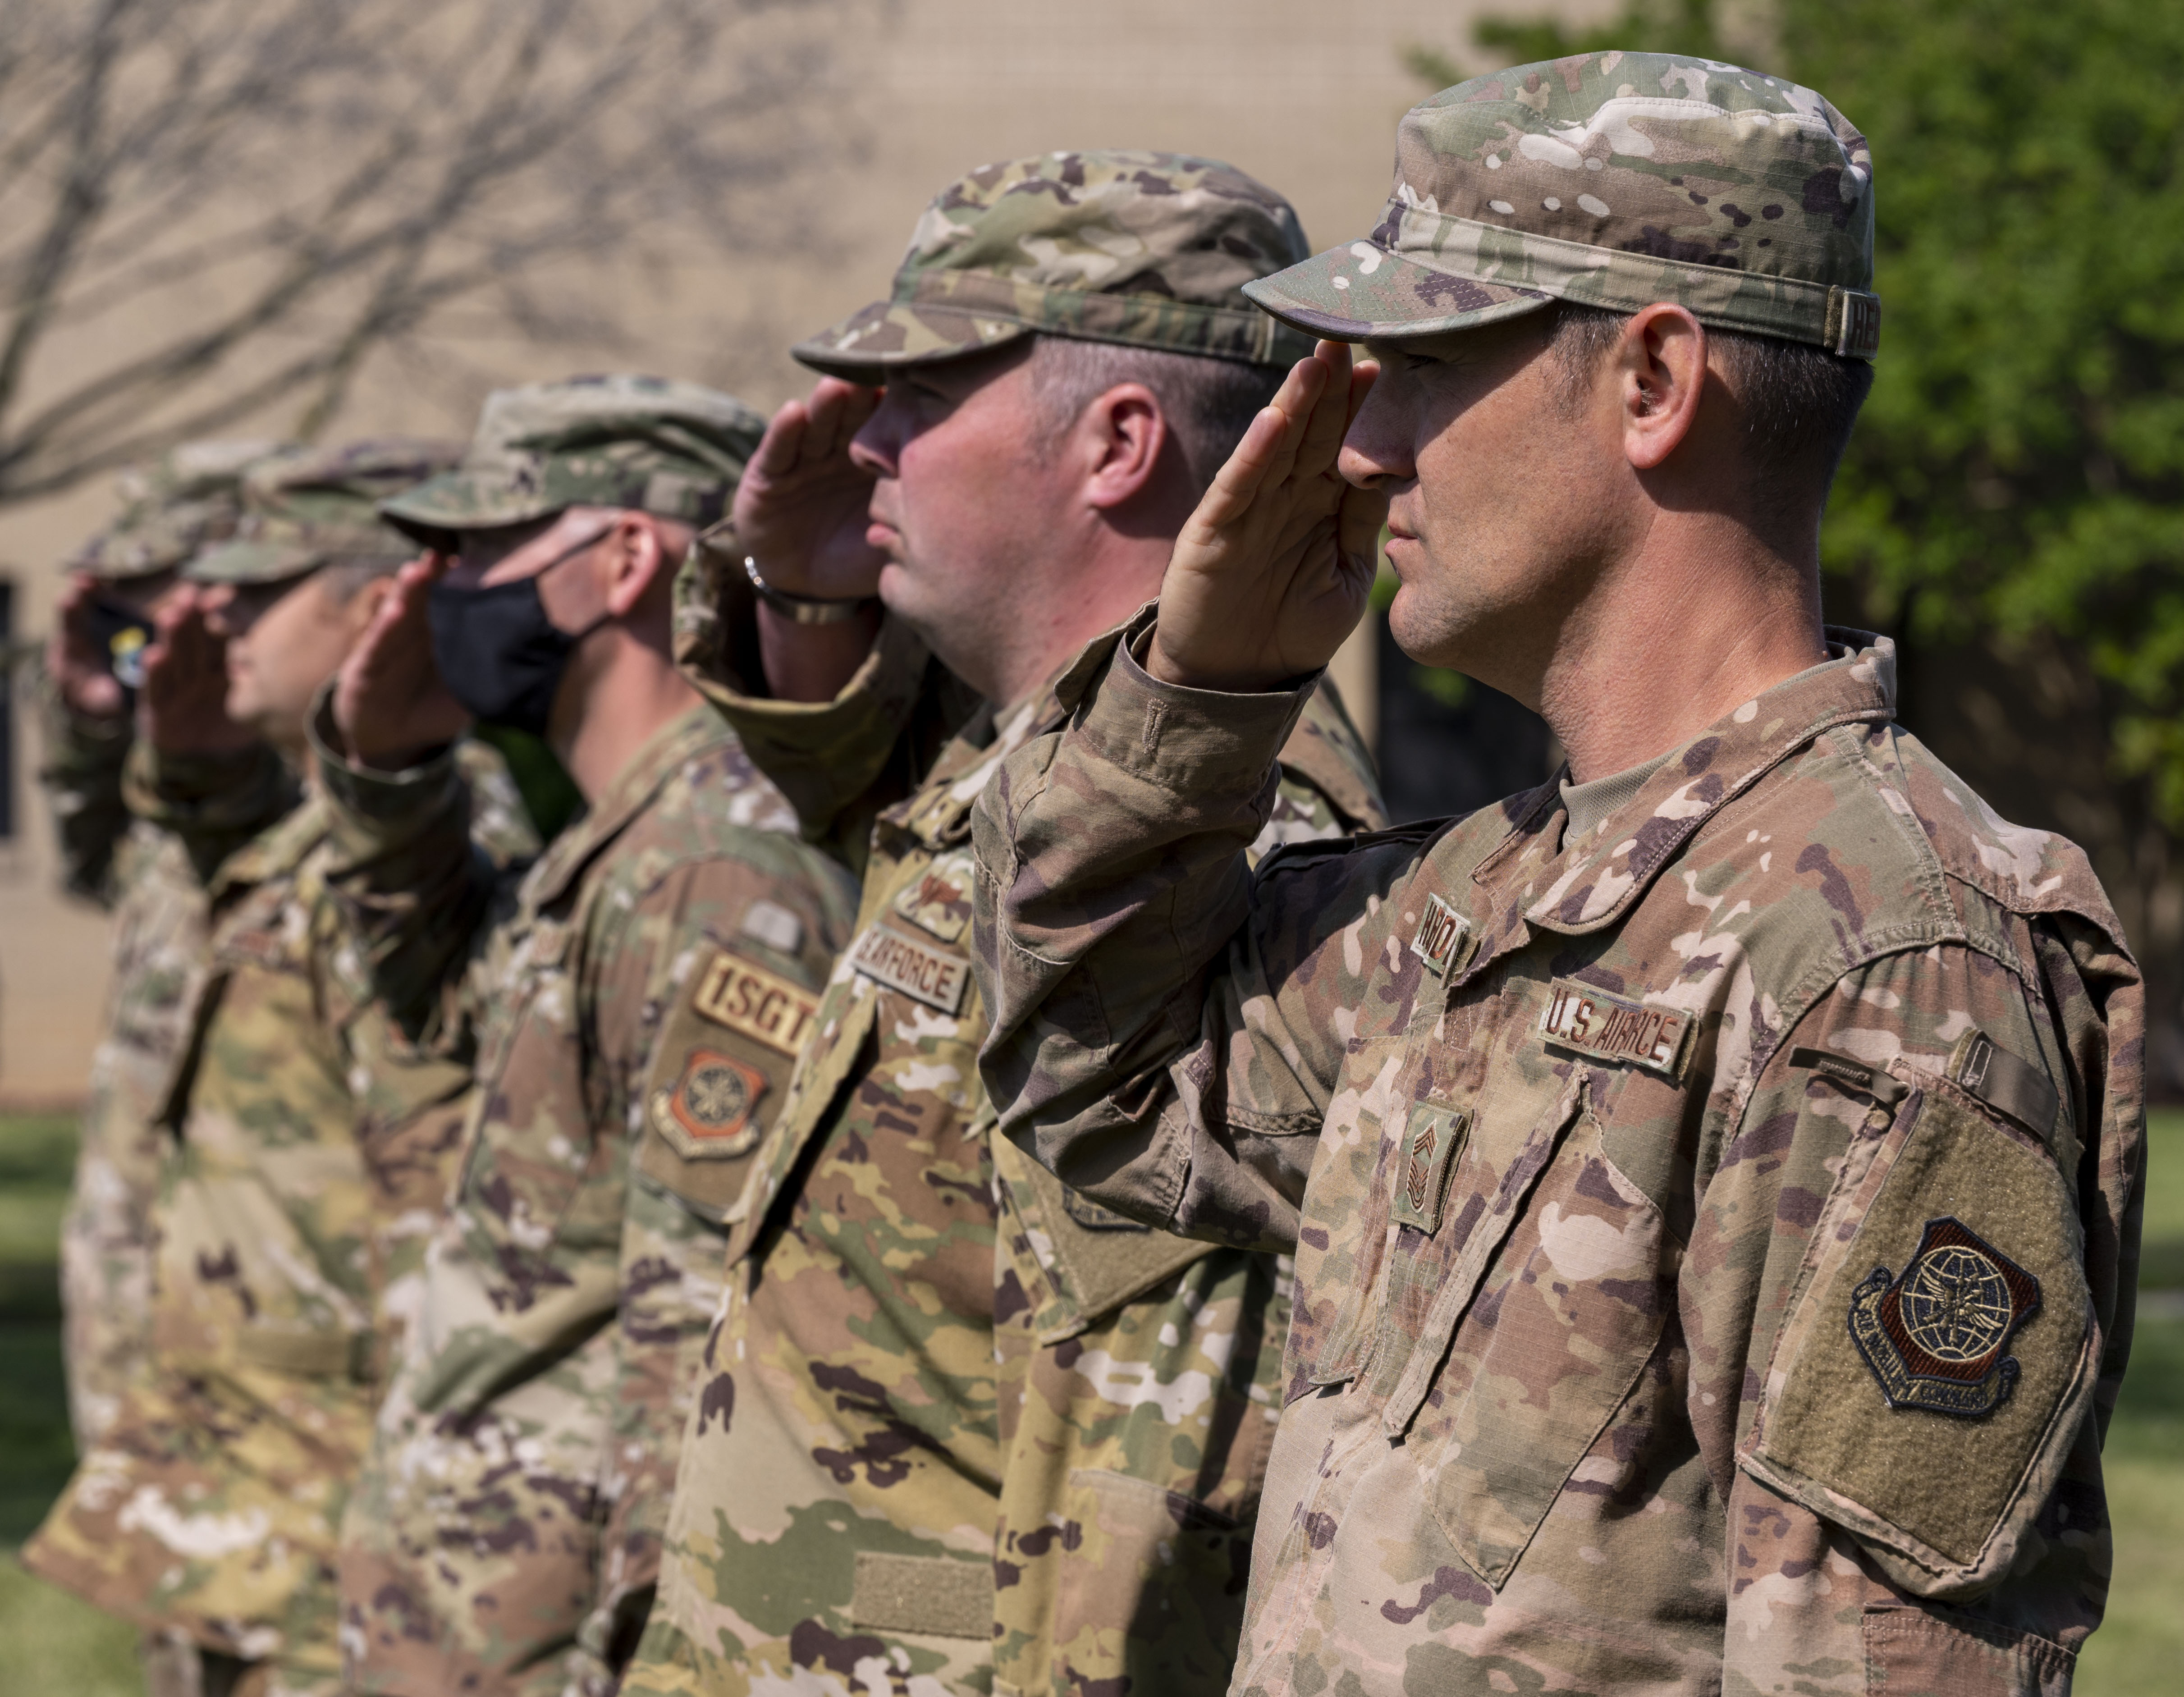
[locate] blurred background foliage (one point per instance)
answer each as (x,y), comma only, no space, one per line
(2012,506)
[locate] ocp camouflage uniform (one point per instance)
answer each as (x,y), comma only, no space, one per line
(961,1430)
(958,1428)
(145,875)
(299,1152)
(1715,1196)
(628,1009)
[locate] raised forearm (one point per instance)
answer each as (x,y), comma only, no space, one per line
(1116,954)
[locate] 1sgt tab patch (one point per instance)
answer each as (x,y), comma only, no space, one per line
(708,1114)
(1443,938)
(1614,1028)
(1431,1138)
(937,977)
(761,1005)
(1935,1337)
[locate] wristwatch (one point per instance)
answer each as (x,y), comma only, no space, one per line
(805,609)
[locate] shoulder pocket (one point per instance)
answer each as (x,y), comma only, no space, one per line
(1940,1353)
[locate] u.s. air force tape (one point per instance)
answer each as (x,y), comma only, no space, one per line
(935,976)
(1615,1028)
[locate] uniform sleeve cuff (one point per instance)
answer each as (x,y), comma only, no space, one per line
(1187,740)
(383,798)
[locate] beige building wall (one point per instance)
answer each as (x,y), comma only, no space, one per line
(1304,95)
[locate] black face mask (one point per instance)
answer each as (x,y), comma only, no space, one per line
(498,653)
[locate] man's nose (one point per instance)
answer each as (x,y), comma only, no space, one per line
(876,448)
(1377,448)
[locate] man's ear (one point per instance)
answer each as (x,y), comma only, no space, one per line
(1123,433)
(639,558)
(363,607)
(1660,370)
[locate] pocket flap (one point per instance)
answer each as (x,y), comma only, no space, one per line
(1940,1350)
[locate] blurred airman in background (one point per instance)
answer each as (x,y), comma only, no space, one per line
(304,1143)
(151,879)
(628,1008)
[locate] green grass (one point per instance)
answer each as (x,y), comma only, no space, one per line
(50,1642)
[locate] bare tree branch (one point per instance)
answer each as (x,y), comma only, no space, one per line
(211,208)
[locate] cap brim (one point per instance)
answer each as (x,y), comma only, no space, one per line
(889,335)
(246,562)
(1364,292)
(442,507)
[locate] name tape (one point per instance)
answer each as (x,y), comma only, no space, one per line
(1592,1022)
(761,1005)
(886,956)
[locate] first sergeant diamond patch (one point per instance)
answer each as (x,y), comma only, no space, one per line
(1935,1337)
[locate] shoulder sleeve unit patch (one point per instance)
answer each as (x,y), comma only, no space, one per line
(1934,1336)
(709,1110)
(718,1075)
(1939,1353)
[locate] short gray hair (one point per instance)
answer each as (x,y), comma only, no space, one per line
(1208,403)
(1799,401)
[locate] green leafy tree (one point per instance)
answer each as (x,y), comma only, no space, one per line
(2012,506)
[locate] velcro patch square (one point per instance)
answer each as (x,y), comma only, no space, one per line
(710,1112)
(1615,1028)
(760,1004)
(1431,1138)
(940,900)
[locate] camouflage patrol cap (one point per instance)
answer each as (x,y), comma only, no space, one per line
(675,450)
(190,496)
(1614,179)
(1151,250)
(313,506)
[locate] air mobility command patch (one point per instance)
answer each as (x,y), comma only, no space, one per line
(1935,1337)
(760,1004)
(1614,1028)
(708,1112)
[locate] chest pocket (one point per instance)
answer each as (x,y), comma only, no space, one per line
(1557,1297)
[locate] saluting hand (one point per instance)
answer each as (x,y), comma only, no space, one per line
(182,708)
(81,671)
(389,704)
(1273,570)
(800,509)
